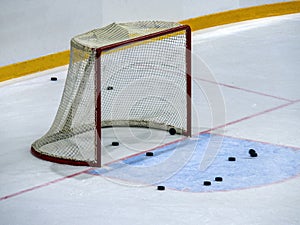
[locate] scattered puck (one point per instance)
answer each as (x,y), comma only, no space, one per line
(161,188)
(231,158)
(172,131)
(54,78)
(254,154)
(206,183)
(115,143)
(251,151)
(149,153)
(109,88)
(218,179)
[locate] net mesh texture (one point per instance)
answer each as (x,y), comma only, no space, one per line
(143,84)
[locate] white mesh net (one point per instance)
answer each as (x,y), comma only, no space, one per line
(143,83)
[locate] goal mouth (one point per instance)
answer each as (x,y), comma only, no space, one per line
(122,75)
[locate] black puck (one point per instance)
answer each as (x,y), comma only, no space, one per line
(254,154)
(206,183)
(231,159)
(149,153)
(54,78)
(161,188)
(109,88)
(115,143)
(251,151)
(172,131)
(218,179)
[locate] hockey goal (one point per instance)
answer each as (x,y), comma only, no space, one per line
(127,74)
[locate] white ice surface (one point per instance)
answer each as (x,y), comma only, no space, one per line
(257,63)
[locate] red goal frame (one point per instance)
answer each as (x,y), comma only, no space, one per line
(98,128)
(187,30)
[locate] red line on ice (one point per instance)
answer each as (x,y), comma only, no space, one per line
(246,90)
(43,185)
(249,117)
(202,132)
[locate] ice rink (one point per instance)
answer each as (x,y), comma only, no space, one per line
(245,95)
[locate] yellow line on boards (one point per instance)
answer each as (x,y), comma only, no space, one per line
(242,14)
(34,65)
(217,19)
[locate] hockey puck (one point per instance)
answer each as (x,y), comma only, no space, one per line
(231,159)
(218,179)
(172,131)
(109,88)
(53,78)
(206,183)
(251,151)
(254,154)
(161,188)
(149,153)
(115,143)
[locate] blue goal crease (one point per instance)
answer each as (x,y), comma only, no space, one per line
(177,166)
